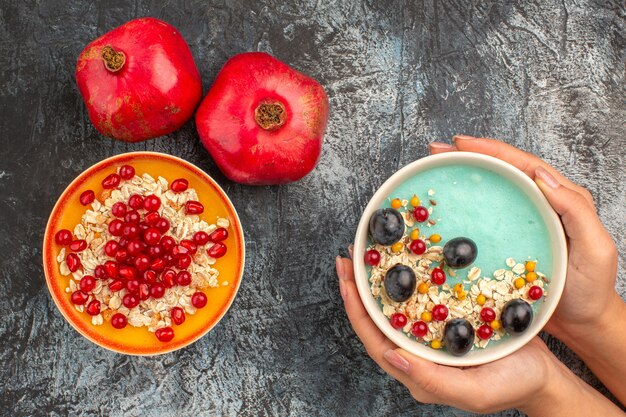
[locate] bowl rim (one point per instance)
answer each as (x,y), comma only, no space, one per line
(49,259)
(520,180)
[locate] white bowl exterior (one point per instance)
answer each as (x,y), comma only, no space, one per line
(557,275)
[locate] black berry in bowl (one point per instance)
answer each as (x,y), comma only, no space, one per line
(460,252)
(400,283)
(516,316)
(458,336)
(386,226)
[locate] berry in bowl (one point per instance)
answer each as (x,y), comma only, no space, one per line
(460,259)
(143,253)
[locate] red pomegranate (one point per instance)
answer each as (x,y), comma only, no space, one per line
(139,81)
(262,121)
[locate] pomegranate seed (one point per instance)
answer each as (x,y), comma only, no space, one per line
(155,251)
(131,231)
(87,197)
(132,286)
(79,298)
(135,201)
(168,278)
(535,292)
(152,236)
(121,255)
(183,261)
(179,185)
(191,247)
(397,320)
(116,285)
(112,269)
(218,235)
(144,291)
(87,283)
(63,237)
(164,334)
(135,247)
(93,308)
(484,332)
(119,209)
(438,276)
(157,290)
(420,213)
(119,321)
(200,238)
(111,181)
(418,247)
(372,257)
(110,248)
(157,264)
(178,315)
(78,245)
(419,329)
(198,299)
(142,262)
(179,251)
(487,314)
(151,218)
(183,278)
(150,276)
(132,217)
(440,312)
(73,262)
(193,207)
(217,250)
(100,272)
(116,227)
(167,243)
(169,260)
(151,203)
(130,301)
(143,226)
(162,225)
(127,272)
(127,172)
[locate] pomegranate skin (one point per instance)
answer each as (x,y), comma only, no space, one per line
(155,90)
(246,150)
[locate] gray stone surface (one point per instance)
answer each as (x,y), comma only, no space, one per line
(545,76)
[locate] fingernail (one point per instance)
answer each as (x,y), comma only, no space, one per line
(440,145)
(351,250)
(546,178)
(397,361)
(339,266)
(463,137)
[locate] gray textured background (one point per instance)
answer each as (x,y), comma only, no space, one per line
(546,76)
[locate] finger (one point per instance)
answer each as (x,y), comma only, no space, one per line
(522,160)
(439,147)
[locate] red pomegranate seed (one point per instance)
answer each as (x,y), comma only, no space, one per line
(127,172)
(132,286)
(178,315)
(397,320)
(193,207)
(167,243)
(143,226)
(130,301)
(78,245)
(93,308)
(440,312)
(438,276)
(535,292)
(183,278)
(149,276)
(100,272)
(418,247)
(155,252)
(119,209)
(487,314)
(218,235)
(110,248)
(73,262)
(372,257)
(168,278)
(123,242)
(111,181)
(112,269)
(131,231)
(191,247)
(135,201)
(157,264)
(144,291)
(116,285)
(183,261)
(79,298)
(179,250)
(132,217)
(142,262)
(420,213)
(87,197)
(63,237)
(151,218)
(119,321)
(217,250)
(169,260)
(419,329)
(151,203)
(127,272)
(121,255)
(200,238)
(484,332)
(198,299)
(179,185)
(162,225)
(157,290)
(164,334)
(152,236)
(135,247)
(116,227)
(87,283)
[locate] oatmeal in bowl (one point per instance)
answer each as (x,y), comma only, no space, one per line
(143,253)
(460,259)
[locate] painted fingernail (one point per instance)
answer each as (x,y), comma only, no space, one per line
(339,266)
(546,178)
(351,250)
(463,137)
(397,361)
(440,145)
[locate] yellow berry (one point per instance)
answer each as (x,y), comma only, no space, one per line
(481,299)
(397,247)
(415,201)
(426,316)
(496,325)
(423,288)
(458,287)
(530,266)
(435,238)
(519,283)
(396,203)
(461,296)
(415,234)
(435,344)
(531,276)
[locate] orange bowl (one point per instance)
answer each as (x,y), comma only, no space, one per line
(130,340)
